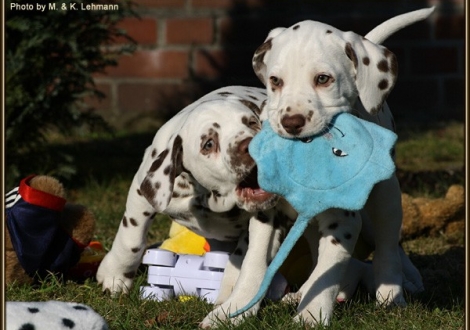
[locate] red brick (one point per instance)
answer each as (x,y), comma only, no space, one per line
(189,31)
(152,64)
(210,63)
(163,100)
(213,3)
(143,31)
(101,104)
(161,3)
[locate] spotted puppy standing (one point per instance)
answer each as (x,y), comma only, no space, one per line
(198,171)
(314,71)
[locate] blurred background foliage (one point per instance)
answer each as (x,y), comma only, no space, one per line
(50,60)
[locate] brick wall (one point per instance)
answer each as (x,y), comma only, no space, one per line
(189,47)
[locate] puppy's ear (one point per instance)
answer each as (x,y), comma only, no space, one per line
(157,186)
(376,70)
(261,55)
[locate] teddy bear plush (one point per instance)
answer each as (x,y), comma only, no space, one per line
(44,234)
(432,216)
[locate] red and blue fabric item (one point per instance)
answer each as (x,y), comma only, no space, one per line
(33,221)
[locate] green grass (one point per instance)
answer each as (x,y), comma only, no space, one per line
(103,186)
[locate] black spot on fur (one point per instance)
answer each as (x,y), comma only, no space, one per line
(80,308)
(33,310)
(68,323)
(262,217)
(333,226)
(296,27)
(135,250)
(328,31)
(335,241)
(224,93)
(27,326)
(366,60)
(154,152)
(139,192)
(133,222)
(147,189)
(124,221)
(216,125)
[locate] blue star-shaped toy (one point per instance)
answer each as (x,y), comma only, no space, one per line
(335,169)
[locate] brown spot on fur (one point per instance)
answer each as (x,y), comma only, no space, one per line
(366,60)
(225,93)
(133,222)
(335,241)
(135,250)
(158,162)
(328,31)
(383,84)
(124,221)
(252,106)
(259,57)
(253,97)
(351,54)
(216,125)
(129,274)
(139,192)
(383,66)
(296,27)
(183,185)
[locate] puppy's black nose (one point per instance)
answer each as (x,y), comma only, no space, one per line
(293,124)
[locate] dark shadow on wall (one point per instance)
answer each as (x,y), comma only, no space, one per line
(415,97)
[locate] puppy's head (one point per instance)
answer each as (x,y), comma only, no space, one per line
(314,71)
(212,147)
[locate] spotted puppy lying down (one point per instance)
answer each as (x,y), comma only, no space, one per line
(199,172)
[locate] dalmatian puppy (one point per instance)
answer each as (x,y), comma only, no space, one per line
(313,71)
(199,172)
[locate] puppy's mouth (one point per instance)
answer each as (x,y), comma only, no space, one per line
(249,190)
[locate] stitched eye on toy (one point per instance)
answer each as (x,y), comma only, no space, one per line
(323,79)
(276,81)
(339,152)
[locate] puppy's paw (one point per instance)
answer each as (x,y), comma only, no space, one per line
(222,312)
(292,298)
(113,278)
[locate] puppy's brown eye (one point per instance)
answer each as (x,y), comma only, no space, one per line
(276,81)
(322,79)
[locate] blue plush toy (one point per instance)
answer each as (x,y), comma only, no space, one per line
(335,169)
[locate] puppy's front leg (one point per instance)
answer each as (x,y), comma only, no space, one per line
(117,270)
(263,239)
(339,230)
(385,211)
